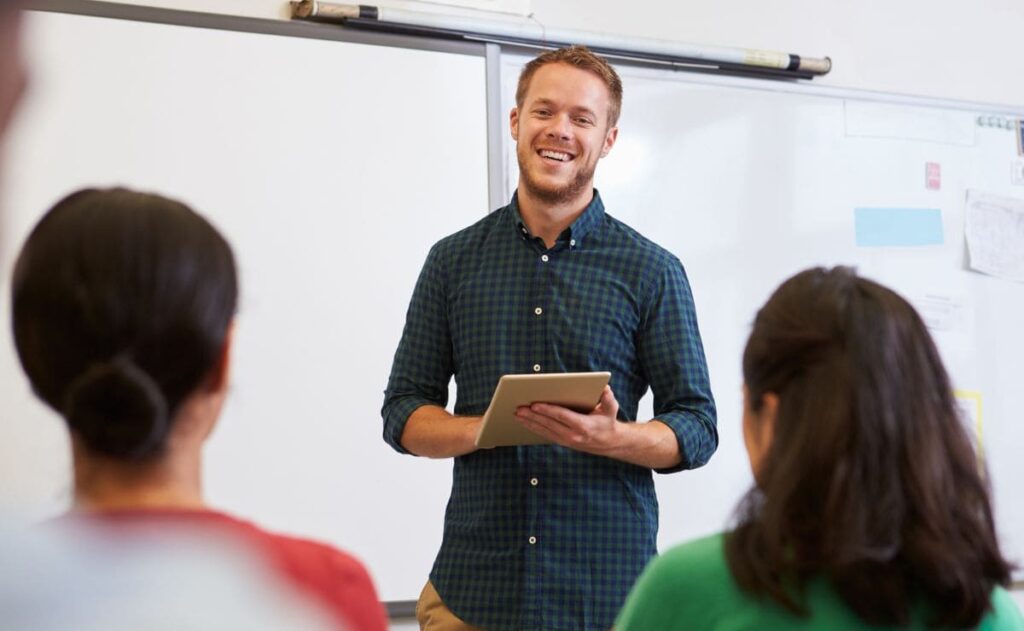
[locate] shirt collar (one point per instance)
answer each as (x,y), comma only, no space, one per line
(588,219)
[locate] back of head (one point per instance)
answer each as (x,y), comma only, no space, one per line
(121,303)
(870,481)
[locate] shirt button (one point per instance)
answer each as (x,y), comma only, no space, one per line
(538,311)
(532,540)
(536,368)
(534,481)
(544,257)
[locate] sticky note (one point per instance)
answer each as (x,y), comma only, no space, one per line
(898,227)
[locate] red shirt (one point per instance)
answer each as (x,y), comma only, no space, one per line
(332,577)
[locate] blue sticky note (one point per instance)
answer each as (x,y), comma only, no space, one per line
(898,227)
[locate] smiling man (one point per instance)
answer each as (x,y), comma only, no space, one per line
(550,536)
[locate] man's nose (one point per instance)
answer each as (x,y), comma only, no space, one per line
(560,127)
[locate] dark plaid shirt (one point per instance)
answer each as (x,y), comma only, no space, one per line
(544,537)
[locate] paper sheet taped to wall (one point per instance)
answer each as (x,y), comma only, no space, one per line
(897,227)
(968,403)
(994,229)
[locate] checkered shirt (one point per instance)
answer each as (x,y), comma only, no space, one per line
(544,537)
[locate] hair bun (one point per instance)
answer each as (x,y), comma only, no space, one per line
(118,410)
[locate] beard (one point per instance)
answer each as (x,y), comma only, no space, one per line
(557,194)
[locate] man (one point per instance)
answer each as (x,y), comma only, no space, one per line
(550,537)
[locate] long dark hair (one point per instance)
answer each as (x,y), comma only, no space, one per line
(121,302)
(870,482)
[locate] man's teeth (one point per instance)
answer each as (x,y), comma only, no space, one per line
(556,155)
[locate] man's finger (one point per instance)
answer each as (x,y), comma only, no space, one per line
(540,416)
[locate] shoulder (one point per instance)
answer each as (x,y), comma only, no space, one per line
(619,231)
(699,561)
(338,578)
(1005,615)
(472,235)
(659,265)
(304,559)
(318,560)
(688,585)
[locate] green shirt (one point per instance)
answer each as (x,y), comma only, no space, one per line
(691,587)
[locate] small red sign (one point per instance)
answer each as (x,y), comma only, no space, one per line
(932,176)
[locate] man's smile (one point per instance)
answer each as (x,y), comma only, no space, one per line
(551,154)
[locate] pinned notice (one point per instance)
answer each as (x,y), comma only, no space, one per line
(994,229)
(898,227)
(932,176)
(968,403)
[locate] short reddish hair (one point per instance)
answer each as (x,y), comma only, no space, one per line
(578,57)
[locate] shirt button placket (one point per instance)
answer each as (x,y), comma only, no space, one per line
(538,310)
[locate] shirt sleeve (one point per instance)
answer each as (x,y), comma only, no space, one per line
(355,596)
(1005,615)
(671,353)
(335,579)
(423,362)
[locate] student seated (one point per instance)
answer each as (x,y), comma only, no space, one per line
(869,507)
(122,309)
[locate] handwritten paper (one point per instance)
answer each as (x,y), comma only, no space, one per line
(939,312)
(994,229)
(968,403)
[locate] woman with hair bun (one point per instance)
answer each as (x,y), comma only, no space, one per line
(123,304)
(869,509)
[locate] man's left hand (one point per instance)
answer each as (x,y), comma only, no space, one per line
(597,432)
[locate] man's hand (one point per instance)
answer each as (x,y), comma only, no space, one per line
(598,432)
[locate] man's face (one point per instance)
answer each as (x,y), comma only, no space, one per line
(12,68)
(561,131)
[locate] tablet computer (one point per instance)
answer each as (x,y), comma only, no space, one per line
(579,391)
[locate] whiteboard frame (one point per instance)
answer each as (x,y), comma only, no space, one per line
(715,77)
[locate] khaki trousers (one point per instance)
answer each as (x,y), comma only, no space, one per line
(434,615)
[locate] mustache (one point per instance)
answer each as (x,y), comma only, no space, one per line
(568,147)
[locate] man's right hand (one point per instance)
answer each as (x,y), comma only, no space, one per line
(434,433)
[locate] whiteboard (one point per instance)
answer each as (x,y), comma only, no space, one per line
(749,182)
(331,167)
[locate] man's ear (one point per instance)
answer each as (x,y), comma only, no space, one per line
(219,376)
(609,140)
(513,123)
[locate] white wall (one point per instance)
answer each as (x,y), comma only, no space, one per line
(946,49)
(941,49)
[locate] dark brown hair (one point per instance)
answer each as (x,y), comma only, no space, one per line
(871,482)
(121,303)
(578,57)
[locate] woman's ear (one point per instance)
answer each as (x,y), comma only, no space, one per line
(759,427)
(767,415)
(219,376)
